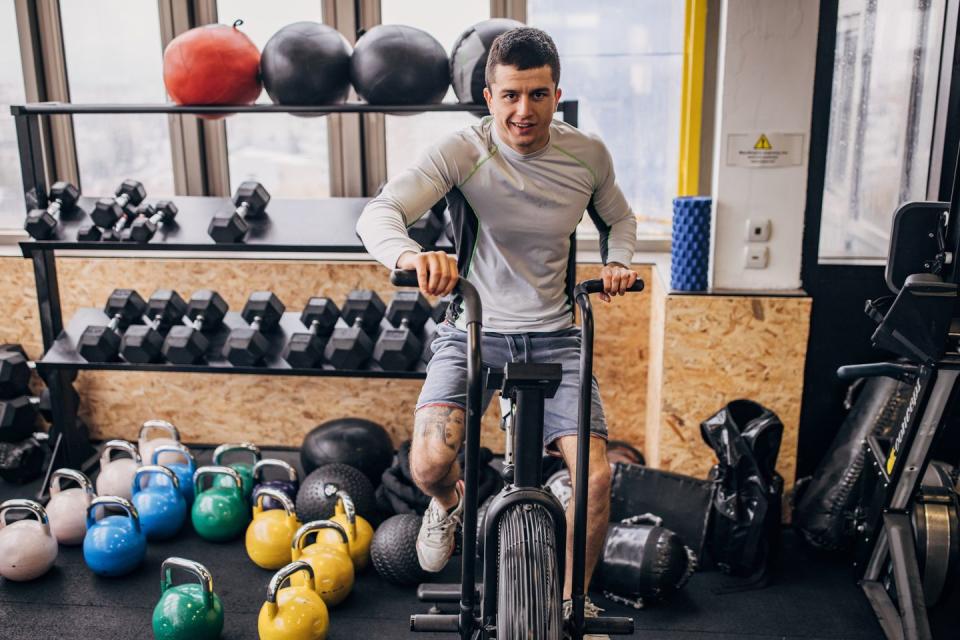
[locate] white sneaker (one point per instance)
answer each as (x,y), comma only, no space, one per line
(437,539)
(590,610)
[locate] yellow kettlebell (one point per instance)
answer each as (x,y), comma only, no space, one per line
(293,613)
(270,533)
(358,531)
(331,563)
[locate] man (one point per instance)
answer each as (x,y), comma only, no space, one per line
(517,185)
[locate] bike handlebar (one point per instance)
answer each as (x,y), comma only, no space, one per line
(596,286)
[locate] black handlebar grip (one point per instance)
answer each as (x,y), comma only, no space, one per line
(596,286)
(404,278)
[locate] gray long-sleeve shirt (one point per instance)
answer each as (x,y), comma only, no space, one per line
(514,217)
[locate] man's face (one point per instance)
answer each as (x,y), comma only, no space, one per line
(522,104)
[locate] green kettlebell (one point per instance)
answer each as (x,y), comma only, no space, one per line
(187,611)
(220,513)
(244,469)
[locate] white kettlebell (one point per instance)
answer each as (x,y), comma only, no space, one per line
(147,444)
(27,547)
(67,509)
(116,476)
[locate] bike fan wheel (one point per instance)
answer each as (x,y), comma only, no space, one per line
(528,589)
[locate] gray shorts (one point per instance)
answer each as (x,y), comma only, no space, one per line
(446,382)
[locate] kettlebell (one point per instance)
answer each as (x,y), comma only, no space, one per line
(67,508)
(293,613)
(147,444)
(27,547)
(114,545)
(270,534)
(220,513)
(183,468)
(244,469)
(187,611)
(331,563)
(359,531)
(288,486)
(162,508)
(116,476)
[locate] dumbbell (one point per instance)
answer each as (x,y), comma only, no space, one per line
(42,223)
(102,343)
(397,349)
(186,344)
(305,350)
(143,228)
(438,314)
(247,346)
(108,211)
(251,200)
(120,232)
(15,368)
(142,343)
(351,346)
(89,232)
(18,416)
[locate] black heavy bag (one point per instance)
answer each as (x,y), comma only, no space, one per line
(744,534)
(643,561)
(683,502)
(825,511)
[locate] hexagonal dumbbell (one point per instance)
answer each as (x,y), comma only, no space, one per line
(351,346)
(18,418)
(251,200)
(15,368)
(186,344)
(102,343)
(397,349)
(89,232)
(305,350)
(143,343)
(438,314)
(247,346)
(42,223)
(108,211)
(144,227)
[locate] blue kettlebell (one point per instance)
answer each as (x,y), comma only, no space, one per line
(288,486)
(162,508)
(114,545)
(183,470)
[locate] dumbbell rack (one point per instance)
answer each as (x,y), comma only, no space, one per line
(284,229)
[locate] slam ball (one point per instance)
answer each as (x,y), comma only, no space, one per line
(360,443)
(468,59)
(306,63)
(212,64)
(397,64)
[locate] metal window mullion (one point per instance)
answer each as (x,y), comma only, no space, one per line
(515,9)
(940,122)
(212,134)
(344,130)
(373,130)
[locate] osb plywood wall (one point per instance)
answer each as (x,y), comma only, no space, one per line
(279,409)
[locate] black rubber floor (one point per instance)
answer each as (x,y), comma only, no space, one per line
(814,598)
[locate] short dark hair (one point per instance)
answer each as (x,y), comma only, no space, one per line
(523,48)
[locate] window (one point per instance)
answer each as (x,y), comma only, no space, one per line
(882,110)
(113,53)
(288,154)
(408,136)
(11,92)
(623,64)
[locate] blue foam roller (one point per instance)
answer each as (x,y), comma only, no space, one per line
(690,253)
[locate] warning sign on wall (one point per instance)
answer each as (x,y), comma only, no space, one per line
(763,150)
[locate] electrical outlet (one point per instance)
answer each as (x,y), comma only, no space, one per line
(756,257)
(758,230)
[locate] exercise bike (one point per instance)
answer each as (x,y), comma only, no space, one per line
(524,525)
(920,323)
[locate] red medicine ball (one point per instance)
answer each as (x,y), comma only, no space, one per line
(212,64)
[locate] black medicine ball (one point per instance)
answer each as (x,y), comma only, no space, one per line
(306,63)
(468,59)
(397,64)
(360,443)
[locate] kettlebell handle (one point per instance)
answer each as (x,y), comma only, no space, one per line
(173,448)
(313,527)
(216,470)
(344,500)
(18,504)
(112,501)
(161,425)
(240,446)
(277,495)
(70,474)
(195,569)
(274,462)
(153,469)
(118,445)
(281,576)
